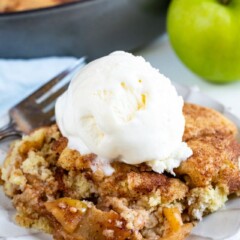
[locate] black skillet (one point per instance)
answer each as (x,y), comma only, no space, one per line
(86,28)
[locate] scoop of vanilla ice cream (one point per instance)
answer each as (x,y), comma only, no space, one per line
(122,109)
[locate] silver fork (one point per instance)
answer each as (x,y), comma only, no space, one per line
(38,108)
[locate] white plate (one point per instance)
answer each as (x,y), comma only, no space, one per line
(221,225)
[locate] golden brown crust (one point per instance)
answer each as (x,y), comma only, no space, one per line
(205,162)
(202,121)
(215,160)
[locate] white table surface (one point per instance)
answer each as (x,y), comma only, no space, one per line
(161,55)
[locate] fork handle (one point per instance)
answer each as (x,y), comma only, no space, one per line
(9,130)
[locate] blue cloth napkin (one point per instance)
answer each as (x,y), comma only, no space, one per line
(18,78)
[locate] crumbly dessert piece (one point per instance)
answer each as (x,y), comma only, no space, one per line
(59,191)
(55,189)
(23,5)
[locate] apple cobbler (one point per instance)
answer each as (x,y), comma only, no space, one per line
(23,5)
(59,191)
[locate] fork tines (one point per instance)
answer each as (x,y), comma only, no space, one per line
(38,108)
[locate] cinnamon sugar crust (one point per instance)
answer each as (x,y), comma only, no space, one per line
(203,121)
(58,190)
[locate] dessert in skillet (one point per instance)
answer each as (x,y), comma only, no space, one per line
(126,160)
(23,5)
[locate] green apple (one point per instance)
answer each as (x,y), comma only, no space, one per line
(205,34)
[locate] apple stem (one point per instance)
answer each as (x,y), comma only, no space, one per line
(225,2)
